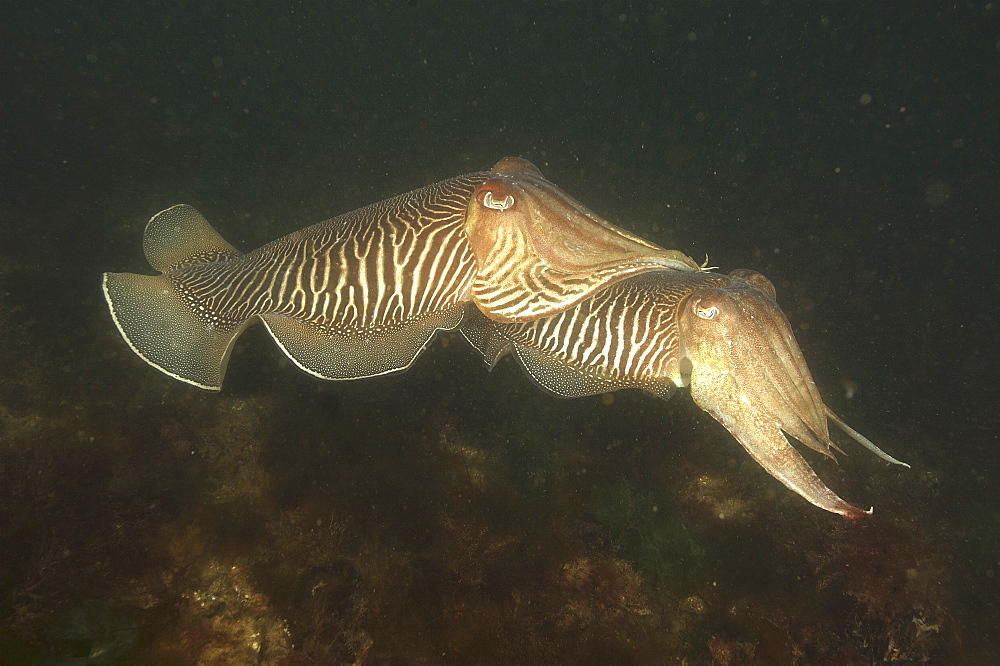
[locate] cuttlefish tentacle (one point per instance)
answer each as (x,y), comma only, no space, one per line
(863,441)
(748,372)
(723,335)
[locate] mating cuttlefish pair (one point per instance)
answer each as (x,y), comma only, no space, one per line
(515,264)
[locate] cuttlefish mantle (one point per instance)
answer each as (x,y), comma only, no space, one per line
(540,251)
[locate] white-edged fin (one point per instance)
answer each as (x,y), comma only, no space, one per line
(484,335)
(357,355)
(561,378)
(165,332)
(180,234)
(862,440)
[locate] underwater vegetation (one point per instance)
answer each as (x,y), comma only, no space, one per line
(530,532)
(446,514)
(517,266)
(847,151)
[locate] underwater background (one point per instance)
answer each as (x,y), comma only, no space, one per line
(847,150)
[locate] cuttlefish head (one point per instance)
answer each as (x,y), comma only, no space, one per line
(539,251)
(746,370)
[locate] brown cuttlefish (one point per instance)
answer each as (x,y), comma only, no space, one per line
(363,293)
(520,266)
(724,336)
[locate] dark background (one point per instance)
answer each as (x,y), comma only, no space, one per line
(847,150)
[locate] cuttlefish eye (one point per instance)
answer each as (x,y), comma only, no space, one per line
(704,311)
(501,204)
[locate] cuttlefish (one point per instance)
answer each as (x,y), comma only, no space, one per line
(363,293)
(521,267)
(722,335)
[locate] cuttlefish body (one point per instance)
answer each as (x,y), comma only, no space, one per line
(724,336)
(517,263)
(363,293)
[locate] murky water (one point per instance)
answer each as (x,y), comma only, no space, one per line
(450,514)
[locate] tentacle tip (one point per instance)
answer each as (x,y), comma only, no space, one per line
(854,513)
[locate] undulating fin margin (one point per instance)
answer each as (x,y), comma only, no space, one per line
(150,313)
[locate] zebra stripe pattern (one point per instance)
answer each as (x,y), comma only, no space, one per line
(375,269)
(534,290)
(626,333)
(540,251)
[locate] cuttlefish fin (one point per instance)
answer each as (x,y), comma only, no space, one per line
(152,315)
(484,335)
(165,332)
(181,235)
(356,355)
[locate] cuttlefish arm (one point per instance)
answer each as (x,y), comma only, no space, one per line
(540,252)
(764,440)
(723,335)
(747,371)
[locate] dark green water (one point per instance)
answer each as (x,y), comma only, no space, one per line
(848,151)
